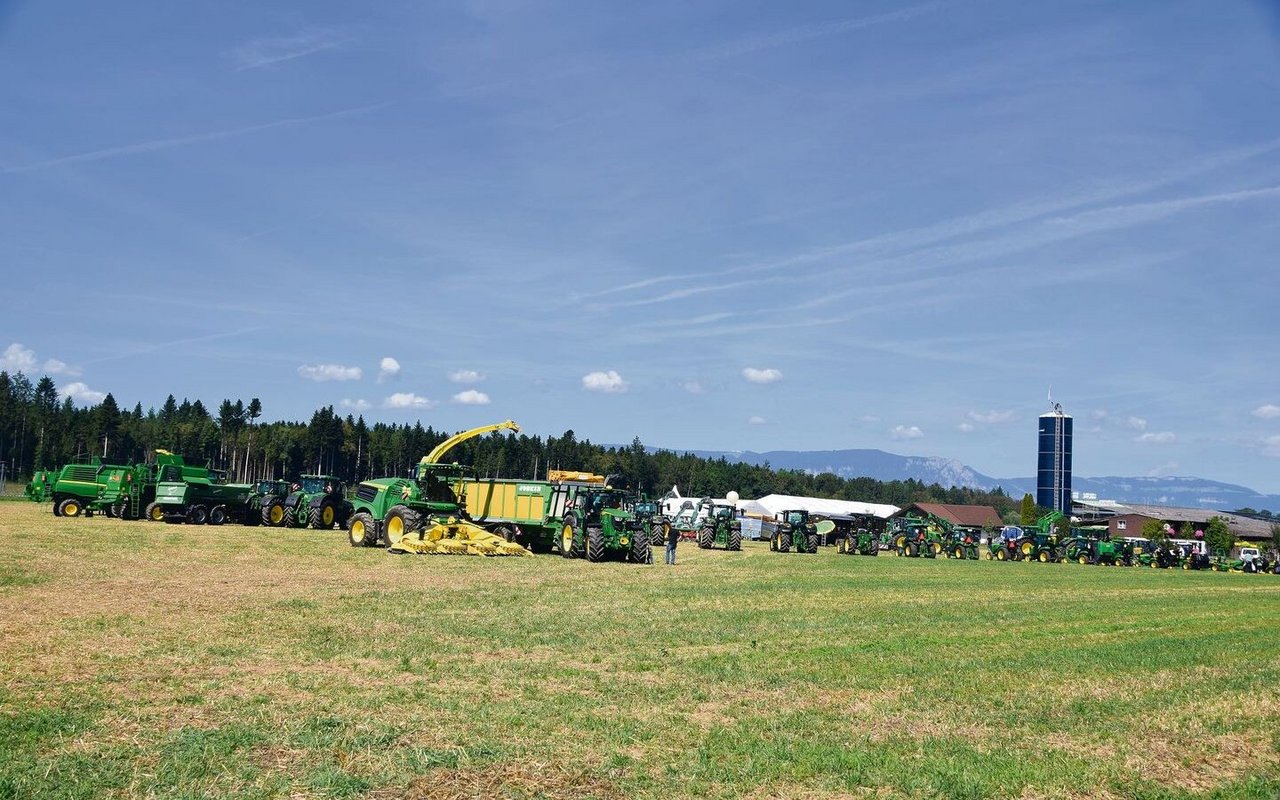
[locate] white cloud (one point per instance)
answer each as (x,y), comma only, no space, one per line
(1271,446)
(17,358)
(330,372)
(901,432)
(1268,411)
(762,375)
(80,393)
(693,387)
(991,417)
(407,400)
(1137,423)
(471,398)
(1164,437)
(355,405)
(756,420)
(966,427)
(388,368)
(466,376)
(609,381)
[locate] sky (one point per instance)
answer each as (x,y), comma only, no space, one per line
(712,225)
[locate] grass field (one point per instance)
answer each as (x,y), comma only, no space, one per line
(145,660)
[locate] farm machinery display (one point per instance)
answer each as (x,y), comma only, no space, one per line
(586,516)
(721,528)
(317,501)
(196,495)
(75,489)
(422,515)
(688,519)
(913,536)
(794,530)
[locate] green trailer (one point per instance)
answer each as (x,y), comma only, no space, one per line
(721,528)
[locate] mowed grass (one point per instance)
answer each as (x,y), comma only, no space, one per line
(146,660)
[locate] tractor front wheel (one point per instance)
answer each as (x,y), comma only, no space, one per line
(641,552)
(811,543)
(569,540)
(911,550)
(735,540)
(323,517)
(400,522)
(657,536)
(704,538)
(1002,554)
(784,542)
(273,514)
(70,507)
(595,544)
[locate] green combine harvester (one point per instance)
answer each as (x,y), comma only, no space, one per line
(185,493)
(318,502)
(794,530)
(423,515)
(721,528)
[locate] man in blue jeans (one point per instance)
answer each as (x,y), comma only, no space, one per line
(673,536)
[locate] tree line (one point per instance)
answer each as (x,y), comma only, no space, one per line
(40,431)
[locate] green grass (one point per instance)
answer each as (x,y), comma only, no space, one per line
(145,660)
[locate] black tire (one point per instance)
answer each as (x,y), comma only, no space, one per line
(153,513)
(641,551)
(273,513)
(57,512)
(217,515)
(784,542)
(197,515)
(507,533)
(361,532)
(811,543)
(570,541)
(110,511)
(657,536)
(735,540)
(705,537)
(316,519)
(401,521)
(912,550)
(595,544)
(120,509)
(290,518)
(70,507)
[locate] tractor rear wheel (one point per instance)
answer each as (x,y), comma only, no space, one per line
(197,515)
(217,515)
(569,540)
(1002,554)
(784,542)
(322,517)
(657,536)
(71,507)
(811,543)
(704,538)
(595,544)
(842,546)
(400,522)
(154,512)
(935,549)
(360,533)
(735,540)
(958,552)
(641,552)
(273,514)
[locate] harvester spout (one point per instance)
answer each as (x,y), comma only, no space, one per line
(439,450)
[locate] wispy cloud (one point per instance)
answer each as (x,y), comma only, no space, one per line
(154,145)
(991,417)
(357,405)
(329,372)
(756,420)
(275,49)
(904,432)
(1268,411)
(402,400)
(466,376)
(1164,437)
(802,33)
(768,375)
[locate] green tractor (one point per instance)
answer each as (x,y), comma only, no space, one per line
(914,536)
(1102,550)
(598,524)
(962,542)
(793,529)
(317,501)
(861,542)
(721,528)
(265,505)
(649,514)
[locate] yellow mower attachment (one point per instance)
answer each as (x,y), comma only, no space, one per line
(455,537)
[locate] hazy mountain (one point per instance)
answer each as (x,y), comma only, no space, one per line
(1168,491)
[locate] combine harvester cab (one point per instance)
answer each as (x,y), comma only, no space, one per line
(794,530)
(318,502)
(423,515)
(721,528)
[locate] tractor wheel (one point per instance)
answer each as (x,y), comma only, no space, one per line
(507,533)
(120,509)
(1002,554)
(912,550)
(595,544)
(901,544)
(784,542)
(569,541)
(217,515)
(1082,559)
(842,546)
(1027,548)
(705,538)
(290,517)
(197,515)
(657,536)
(400,522)
(735,540)
(935,549)
(322,518)
(71,507)
(154,512)
(958,552)
(641,552)
(56,503)
(110,511)
(360,533)
(273,514)
(972,553)
(811,543)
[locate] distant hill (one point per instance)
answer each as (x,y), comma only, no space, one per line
(878,464)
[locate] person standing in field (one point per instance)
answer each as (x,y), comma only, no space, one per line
(673,536)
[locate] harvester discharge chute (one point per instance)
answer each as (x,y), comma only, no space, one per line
(423,515)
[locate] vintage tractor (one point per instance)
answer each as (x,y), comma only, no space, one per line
(317,501)
(793,529)
(422,515)
(721,528)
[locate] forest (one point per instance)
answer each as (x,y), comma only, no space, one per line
(39,431)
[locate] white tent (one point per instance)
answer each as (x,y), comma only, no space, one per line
(774,503)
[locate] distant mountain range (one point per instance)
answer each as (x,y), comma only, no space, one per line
(1182,492)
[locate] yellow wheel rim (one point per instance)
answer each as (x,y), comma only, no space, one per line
(1044,557)
(357,529)
(71,509)
(277,515)
(566,538)
(936,548)
(1027,547)
(157,514)
(395,529)
(327,515)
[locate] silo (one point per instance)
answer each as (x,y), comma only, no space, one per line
(1053,467)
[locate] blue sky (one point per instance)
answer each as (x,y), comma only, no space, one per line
(714,225)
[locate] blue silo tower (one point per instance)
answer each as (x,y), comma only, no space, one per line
(1053,467)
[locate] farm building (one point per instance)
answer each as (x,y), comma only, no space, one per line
(963,516)
(1128,520)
